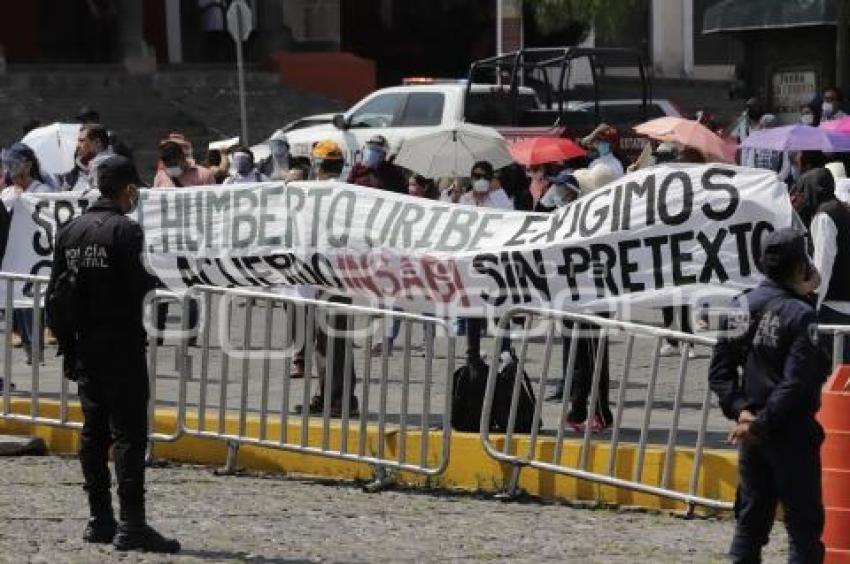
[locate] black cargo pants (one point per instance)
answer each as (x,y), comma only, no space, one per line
(114,391)
(786,468)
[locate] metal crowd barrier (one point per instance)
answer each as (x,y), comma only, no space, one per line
(839,335)
(553,322)
(270,333)
(46,381)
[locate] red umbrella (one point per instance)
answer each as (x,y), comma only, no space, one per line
(539,150)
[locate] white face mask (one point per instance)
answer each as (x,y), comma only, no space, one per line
(481,185)
(828,108)
(807,119)
(173,171)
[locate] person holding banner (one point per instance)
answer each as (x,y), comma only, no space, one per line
(96,292)
(331,331)
(179,170)
(25,173)
(243,163)
(483,194)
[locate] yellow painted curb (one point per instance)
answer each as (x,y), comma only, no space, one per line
(469,468)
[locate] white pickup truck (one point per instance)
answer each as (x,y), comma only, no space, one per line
(400,111)
(528,93)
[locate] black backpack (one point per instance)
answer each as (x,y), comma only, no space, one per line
(502,400)
(468,387)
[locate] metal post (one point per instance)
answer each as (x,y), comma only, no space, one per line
(240,71)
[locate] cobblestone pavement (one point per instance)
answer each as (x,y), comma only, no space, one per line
(295,519)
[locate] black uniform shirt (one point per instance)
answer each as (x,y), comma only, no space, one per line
(784,369)
(105,248)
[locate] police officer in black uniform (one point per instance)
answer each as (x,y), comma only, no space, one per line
(102,248)
(774,403)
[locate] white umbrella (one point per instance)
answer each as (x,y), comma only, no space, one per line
(54,145)
(453,151)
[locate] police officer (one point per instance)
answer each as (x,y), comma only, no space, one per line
(103,249)
(775,402)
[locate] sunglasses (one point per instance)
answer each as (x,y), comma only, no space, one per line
(479,175)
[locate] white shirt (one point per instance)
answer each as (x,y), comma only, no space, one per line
(610,161)
(494,199)
(842,189)
(10,194)
(825,239)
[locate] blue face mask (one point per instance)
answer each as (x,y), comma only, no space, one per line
(603,148)
(373,157)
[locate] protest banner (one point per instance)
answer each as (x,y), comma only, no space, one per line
(659,236)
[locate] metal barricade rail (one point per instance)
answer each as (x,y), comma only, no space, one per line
(49,384)
(600,329)
(269,340)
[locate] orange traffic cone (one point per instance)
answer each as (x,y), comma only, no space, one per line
(834,415)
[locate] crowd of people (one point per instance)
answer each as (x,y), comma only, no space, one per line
(812,177)
(816,182)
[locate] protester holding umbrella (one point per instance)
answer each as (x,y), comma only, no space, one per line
(25,173)
(688,133)
(538,152)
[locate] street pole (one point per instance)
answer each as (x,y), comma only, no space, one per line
(842,20)
(240,71)
(499,30)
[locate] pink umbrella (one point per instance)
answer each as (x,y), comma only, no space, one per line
(840,125)
(687,132)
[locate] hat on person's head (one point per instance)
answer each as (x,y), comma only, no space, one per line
(567,179)
(87,115)
(379,141)
(115,173)
(590,179)
(171,152)
(280,137)
(609,134)
(327,150)
(782,250)
(19,152)
(837,169)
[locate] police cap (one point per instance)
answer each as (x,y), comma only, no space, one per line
(784,249)
(115,173)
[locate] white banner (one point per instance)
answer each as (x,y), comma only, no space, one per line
(665,235)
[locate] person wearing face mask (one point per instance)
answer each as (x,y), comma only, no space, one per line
(564,189)
(831,106)
(539,184)
(801,163)
(830,231)
(278,164)
(244,172)
(178,171)
(810,114)
(22,166)
(92,149)
(484,193)
(103,346)
(375,169)
(603,140)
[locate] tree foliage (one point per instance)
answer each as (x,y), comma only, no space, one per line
(605,15)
